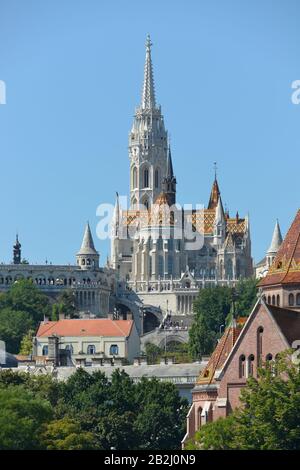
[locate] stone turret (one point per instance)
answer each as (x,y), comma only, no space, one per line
(87,257)
(17,251)
(219,224)
(275,244)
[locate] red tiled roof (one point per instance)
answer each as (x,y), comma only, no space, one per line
(286,266)
(219,355)
(78,327)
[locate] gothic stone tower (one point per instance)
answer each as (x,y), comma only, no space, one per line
(148,144)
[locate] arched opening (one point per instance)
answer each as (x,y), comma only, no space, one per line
(91,349)
(273,299)
(242,368)
(298,299)
(250,365)
(45,350)
(145,203)
(199,413)
(260,331)
(114,350)
(278,300)
(291,300)
(229,272)
(134,177)
(146,178)
(133,203)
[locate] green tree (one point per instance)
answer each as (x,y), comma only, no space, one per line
(160,423)
(55,312)
(246,296)
(216,435)
(268,418)
(25,296)
(21,418)
(66,303)
(26,343)
(65,434)
(14,324)
(211,309)
(153,353)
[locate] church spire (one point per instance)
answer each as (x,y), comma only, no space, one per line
(215,192)
(276,239)
(170,173)
(169,181)
(148,96)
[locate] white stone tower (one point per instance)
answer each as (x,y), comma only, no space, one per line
(148,143)
(275,244)
(87,257)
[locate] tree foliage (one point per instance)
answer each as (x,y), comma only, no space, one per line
(212,307)
(90,411)
(26,343)
(268,418)
(213,310)
(21,309)
(21,418)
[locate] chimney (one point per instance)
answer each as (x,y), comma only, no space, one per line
(53,349)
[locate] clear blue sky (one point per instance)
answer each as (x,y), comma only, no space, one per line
(73,70)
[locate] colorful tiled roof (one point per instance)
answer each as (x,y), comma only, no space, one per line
(286,266)
(202,220)
(92,327)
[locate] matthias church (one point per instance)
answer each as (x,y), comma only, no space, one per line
(158,262)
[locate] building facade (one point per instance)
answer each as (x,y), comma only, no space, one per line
(88,340)
(92,285)
(272,327)
(163,251)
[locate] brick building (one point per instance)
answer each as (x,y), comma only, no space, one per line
(272,327)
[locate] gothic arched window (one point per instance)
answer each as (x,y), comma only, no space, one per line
(278,300)
(260,331)
(250,365)
(298,299)
(45,350)
(134,177)
(146,178)
(146,203)
(242,362)
(229,272)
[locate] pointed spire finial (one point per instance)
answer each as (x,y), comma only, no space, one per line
(87,246)
(215,191)
(215,170)
(276,239)
(148,96)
